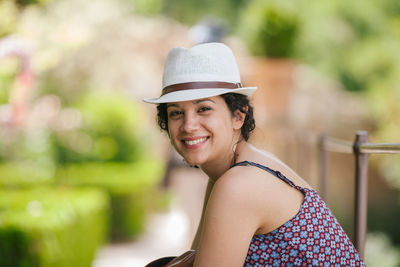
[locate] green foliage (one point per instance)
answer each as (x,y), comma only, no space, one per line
(379,252)
(117,178)
(368,61)
(51,227)
(132,189)
(31,148)
(24,175)
(32,2)
(386,219)
(192,11)
(353,42)
(270,29)
(8,70)
(111,130)
(8,17)
(9,14)
(16,248)
(147,7)
(103,144)
(129,214)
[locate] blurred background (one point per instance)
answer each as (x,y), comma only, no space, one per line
(87,178)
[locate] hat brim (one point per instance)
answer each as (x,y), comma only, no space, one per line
(193,94)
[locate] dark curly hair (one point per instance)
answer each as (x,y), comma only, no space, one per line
(233,101)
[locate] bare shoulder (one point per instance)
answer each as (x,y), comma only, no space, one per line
(238,180)
(247,177)
(251,186)
(270,200)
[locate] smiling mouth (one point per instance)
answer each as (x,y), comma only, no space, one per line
(195,142)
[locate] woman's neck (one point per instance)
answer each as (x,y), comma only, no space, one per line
(217,168)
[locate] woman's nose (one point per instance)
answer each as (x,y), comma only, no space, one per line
(190,123)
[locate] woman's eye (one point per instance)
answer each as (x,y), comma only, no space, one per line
(204,109)
(175,113)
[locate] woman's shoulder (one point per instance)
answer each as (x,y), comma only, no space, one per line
(247,184)
(258,194)
(240,176)
(241,193)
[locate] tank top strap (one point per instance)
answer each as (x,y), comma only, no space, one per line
(265,168)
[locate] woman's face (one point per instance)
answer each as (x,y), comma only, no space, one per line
(202,131)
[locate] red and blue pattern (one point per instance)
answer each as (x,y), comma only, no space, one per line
(311,238)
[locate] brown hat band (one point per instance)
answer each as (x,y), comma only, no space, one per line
(200,85)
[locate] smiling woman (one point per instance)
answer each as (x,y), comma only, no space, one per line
(253,214)
(201,129)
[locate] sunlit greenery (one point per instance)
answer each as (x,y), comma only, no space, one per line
(51,226)
(8,17)
(81,147)
(270,29)
(109,131)
(131,188)
(380,252)
(84,129)
(147,7)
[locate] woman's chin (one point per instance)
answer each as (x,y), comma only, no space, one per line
(194,162)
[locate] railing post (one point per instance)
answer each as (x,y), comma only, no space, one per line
(323,157)
(361,188)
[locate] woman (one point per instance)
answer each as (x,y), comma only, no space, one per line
(253,214)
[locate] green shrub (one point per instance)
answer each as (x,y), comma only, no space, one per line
(111,131)
(16,248)
(147,7)
(8,17)
(352,41)
(15,175)
(8,72)
(51,226)
(132,189)
(270,29)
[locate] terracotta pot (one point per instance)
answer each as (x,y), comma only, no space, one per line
(274,78)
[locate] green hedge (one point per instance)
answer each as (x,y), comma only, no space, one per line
(52,226)
(19,175)
(112,130)
(132,189)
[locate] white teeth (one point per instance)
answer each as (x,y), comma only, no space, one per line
(193,142)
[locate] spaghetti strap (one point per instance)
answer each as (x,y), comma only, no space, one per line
(265,168)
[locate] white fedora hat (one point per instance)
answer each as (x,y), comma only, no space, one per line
(205,70)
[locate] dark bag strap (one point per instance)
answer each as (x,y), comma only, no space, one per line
(161,262)
(184,260)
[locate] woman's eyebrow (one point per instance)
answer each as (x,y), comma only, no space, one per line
(203,100)
(172,105)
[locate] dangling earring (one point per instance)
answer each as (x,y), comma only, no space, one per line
(234,153)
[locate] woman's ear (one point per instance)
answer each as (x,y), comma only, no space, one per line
(238,119)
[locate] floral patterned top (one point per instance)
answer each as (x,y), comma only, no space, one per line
(312,237)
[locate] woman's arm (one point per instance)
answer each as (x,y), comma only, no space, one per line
(196,240)
(230,220)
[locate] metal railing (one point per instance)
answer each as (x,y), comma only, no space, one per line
(361,148)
